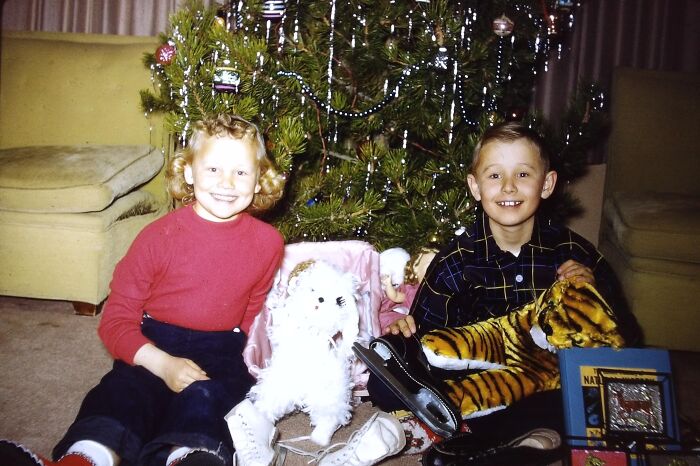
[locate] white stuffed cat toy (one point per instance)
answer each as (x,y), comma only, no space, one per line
(311,333)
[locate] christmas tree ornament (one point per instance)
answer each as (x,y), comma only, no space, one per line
(219,22)
(226,78)
(441,59)
(228,16)
(502,26)
(165,54)
(565,5)
(273,10)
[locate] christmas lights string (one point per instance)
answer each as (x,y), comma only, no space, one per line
(440,61)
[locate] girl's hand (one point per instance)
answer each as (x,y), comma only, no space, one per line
(177,373)
(405,326)
(576,272)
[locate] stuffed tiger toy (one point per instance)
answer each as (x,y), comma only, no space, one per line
(517,352)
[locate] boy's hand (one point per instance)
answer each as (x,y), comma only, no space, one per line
(576,272)
(177,373)
(406,326)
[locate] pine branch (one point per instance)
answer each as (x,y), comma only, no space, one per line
(396,175)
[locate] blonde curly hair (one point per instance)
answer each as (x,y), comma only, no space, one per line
(231,126)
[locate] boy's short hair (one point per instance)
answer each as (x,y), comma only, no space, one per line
(508,132)
(232,126)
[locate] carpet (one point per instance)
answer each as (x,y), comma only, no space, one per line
(50,358)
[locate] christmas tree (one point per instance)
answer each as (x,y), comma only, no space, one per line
(371,107)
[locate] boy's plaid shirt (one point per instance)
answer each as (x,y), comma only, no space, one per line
(472,279)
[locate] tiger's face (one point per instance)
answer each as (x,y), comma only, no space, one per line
(576,315)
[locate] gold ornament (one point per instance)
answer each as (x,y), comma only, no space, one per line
(502,26)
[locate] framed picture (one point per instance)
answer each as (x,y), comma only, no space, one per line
(636,406)
(619,400)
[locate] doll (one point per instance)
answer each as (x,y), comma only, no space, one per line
(400,276)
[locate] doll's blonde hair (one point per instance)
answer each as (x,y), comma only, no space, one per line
(228,126)
(413,276)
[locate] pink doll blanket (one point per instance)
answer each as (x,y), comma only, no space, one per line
(356,257)
(390,312)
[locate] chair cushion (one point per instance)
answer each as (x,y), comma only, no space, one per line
(135,203)
(655,225)
(70,256)
(73,179)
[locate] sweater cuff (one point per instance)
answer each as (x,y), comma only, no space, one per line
(128,348)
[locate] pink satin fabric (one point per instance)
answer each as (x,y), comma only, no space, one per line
(356,257)
(390,312)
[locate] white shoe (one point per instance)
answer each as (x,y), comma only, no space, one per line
(381,436)
(253,435)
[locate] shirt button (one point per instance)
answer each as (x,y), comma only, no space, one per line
(519,278)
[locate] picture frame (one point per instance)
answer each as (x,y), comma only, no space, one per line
(637,405)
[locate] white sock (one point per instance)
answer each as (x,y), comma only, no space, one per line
(176,454)
(98,453)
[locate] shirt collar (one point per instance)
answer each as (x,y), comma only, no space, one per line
(484,243)
(544,236)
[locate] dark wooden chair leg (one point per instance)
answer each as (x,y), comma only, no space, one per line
(87,309)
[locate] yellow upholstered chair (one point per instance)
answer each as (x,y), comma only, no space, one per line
(650,231)
(78,162)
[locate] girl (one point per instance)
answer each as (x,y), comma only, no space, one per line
(181,303)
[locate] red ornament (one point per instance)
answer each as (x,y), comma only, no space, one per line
(502,26)
(165,54)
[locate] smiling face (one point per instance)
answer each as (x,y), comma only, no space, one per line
(224,175)
(510,180)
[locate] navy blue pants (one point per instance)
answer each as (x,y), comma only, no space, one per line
(134,413)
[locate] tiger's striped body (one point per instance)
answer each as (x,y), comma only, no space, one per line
(516,352)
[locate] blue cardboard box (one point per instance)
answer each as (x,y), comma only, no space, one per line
(614,398)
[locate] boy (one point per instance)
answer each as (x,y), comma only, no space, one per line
(494,267)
